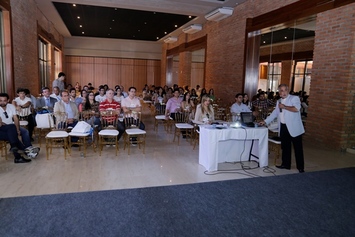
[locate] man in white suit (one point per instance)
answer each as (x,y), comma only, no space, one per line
(291,128)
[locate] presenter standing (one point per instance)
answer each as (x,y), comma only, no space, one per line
(288,116)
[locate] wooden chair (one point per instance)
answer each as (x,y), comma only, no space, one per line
(58,137)
(45,124)
(108,135)
(83,138)
(22,115)
(196,136)
(274,143)
(160,116)
(3,148)
(132,122)
(182,125)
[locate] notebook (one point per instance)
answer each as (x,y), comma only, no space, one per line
(247,119)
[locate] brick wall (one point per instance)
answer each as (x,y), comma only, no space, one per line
(25,52)
(331,109)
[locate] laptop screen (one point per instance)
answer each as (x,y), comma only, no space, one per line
(246,117)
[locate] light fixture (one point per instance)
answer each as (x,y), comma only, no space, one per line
(219,14)
(192,28)
(170,39)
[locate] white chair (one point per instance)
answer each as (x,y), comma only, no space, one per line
(182,126)
(109,133)
(82,133)
(45,124)
(160,116)
(58,137)
(132,122)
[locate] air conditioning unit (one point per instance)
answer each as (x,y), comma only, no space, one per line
(219,14)
(192,29)
(170,39)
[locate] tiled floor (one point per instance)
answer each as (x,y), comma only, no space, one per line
(164,163)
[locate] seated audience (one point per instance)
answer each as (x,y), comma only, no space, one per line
(110,104)
(101,96)
(68,107)
(10,129)
(55,93)
(46,102)
(238,106)
(173,105)
(23,106)
(132,103)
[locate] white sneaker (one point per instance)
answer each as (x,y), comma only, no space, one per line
(32,155)
(32,149)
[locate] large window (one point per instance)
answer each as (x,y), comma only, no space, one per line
(269,76)
(2,56)
(57,62)
(43,62)
(302,76)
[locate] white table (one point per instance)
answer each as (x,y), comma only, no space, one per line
(232,144)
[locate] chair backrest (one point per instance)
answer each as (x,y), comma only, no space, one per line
(44,121)
(109,119)
(23,113)
(182,117)
(160,109)
(87,116)
(60,121)
(132,120)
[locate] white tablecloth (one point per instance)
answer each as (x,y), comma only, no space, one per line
(231,144)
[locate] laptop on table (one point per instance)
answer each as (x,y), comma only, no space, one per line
(247,119)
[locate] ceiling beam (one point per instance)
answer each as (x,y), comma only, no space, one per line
(299,9)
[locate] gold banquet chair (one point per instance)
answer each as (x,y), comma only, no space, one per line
(45,124)
(83,137)
(23,114)
(181,125)
(58,137)
(132,122)
(3,148)
(109,133)
(160,116)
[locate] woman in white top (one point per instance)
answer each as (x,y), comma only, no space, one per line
(118,97)
(204,111)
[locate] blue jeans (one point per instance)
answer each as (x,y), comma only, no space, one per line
(25,135)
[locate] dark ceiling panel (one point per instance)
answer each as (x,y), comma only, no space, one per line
(285,35)
(107,22)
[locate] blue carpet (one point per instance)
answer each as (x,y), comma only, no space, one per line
(310,204)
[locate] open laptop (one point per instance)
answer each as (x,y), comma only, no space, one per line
(247,119)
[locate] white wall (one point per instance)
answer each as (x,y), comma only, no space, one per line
(101,47)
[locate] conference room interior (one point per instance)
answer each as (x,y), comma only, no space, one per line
(164,162)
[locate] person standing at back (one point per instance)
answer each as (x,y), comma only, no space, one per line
(288,115)
(59,81)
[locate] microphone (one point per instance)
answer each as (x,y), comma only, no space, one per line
(279,105)
(208,116)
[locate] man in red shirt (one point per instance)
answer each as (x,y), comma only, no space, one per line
(110,104)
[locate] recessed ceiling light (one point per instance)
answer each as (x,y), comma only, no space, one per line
(175,26)
(110,28)
(165,32)
(113,20)
(145,23)
(264,42)
(157,38)
(83,32)
(139,30)
(285,37)
(80,26)
(190,16)
(78,17)
(74,5)
(115,9)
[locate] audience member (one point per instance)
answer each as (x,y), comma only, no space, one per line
(46,102)
(173,105)
(101,96)
(55,93)
(59,82)
(8,117)
(238,106)
(204,111)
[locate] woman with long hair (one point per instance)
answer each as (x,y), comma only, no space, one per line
(92,105)
(118,97)
(159,97)
(187,104)
(204,111)
(246,100)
